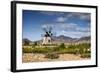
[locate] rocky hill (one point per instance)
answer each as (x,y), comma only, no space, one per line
(64,39)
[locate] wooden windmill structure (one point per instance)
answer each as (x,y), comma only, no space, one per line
(47,36)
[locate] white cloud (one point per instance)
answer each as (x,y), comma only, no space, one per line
(69,29)
(74,30)
(69,26)
(75,34)
(51,13)
(73,27)
(83,16)
(83,29)
(44,26)
(47,26)
(61,19)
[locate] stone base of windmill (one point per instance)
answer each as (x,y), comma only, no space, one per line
(46,41)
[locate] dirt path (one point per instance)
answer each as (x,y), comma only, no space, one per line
(31,57)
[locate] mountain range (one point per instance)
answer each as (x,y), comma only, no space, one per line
(64,39)
(67,39)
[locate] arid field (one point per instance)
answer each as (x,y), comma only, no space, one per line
(62,52)
(30,57)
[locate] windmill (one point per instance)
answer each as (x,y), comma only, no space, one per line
(47,36)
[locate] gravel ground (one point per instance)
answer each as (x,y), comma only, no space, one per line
(31,57)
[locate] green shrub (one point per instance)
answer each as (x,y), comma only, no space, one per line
(71,49)
(27,50)
(79,48)
(52,56)
(86,55)
(62,45)
(34,44)
(43,50)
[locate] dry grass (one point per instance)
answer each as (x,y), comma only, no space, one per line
(31,57)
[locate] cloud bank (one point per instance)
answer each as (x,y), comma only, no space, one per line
(71,24)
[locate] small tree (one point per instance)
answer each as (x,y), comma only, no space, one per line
(34,44)
(62,45)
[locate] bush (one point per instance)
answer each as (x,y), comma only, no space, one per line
(34,44)
(27,50)
(52,56)
(71,51)
(43,50)
(79,49)
(86,55)
(62,46)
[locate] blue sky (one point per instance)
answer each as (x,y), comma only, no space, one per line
(72,24)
